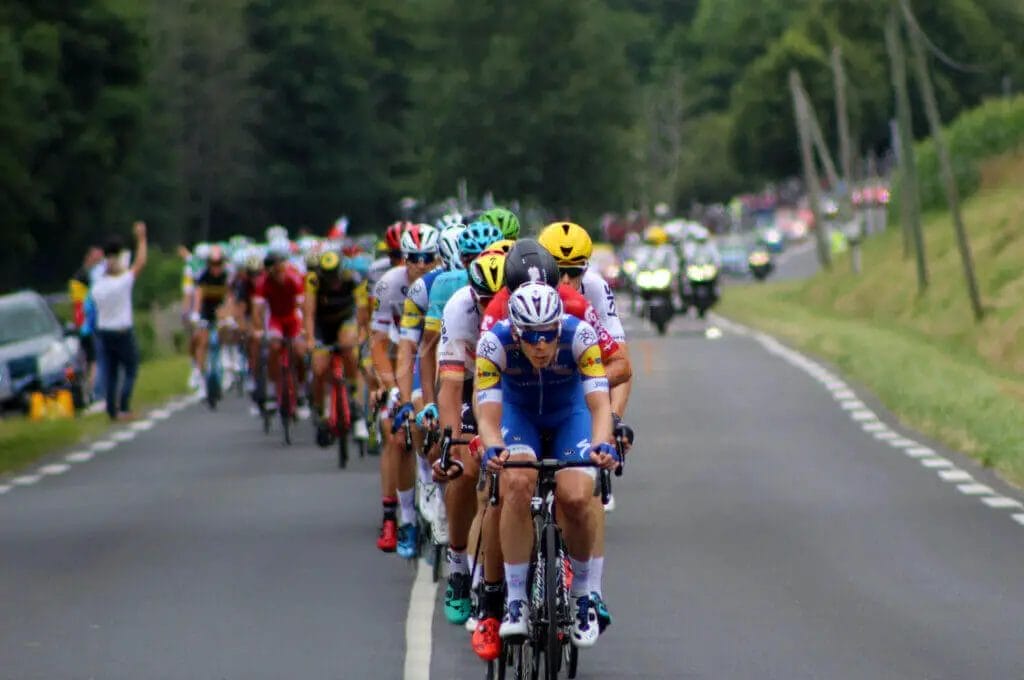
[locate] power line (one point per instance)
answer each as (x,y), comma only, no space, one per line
(934,49)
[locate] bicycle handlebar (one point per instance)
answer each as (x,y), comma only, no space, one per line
(446,446)
(550,466)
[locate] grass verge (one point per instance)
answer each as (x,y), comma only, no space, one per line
(23,441)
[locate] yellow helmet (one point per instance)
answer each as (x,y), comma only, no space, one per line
(329,261)
(568,242)
(656,236)
(487,273)
(504,245)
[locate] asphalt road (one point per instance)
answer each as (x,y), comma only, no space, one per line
(761,532)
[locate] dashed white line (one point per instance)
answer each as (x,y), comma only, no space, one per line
(852,405)
(418,623)
(975,489)
(1018,518)
(844,394)
(143,425)
(26,480)
(863,414)
(79,456)
(160,414)
(919,452)
(874,426)
(937,462)
(4,488)
(955,475)
(902,443)
(886,434)
(123,436)
(102,445)
(55,469)
(1002,502)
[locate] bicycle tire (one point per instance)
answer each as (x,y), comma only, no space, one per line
(342,419)
(439,555)
(285,403)
(572,662)
(552,587)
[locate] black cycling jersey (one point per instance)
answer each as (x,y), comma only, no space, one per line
(213,288)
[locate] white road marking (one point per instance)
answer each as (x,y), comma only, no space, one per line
(55,469)
(863,414)
(123,436)
(975,489)
(937,462)
(143,425)
(4,488)
(160,414)
(955,475)
(103,445)
(874,426)
(1018,518)
(902,443)
(886,434)
(26,480)
(418,624)
(852,405)
(1002,502)
(844,394)
(919,452)
(79,456)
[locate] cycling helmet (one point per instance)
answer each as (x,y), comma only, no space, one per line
(448,246)
(529,261)
(393,235)
(568,242)
(487,274)
(449,220)
(254,262)
(504,245)
(656,236)
(534,304)
(505,220)
(420,238)
(477,236)
(312,259)
(273,259)
(276,232)
(202,251)
(329,262)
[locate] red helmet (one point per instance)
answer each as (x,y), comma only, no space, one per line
(351,249)
(393,235)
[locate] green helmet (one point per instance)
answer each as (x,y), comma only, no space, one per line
(503,219)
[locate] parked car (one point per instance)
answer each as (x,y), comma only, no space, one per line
(35,351)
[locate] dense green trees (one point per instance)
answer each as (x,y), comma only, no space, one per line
(209,117)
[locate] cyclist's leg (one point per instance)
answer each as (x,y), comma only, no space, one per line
(200,344)
(575,491)
(321,366)
(275,335)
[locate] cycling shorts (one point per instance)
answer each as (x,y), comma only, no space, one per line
(327,333)
(468,425)
(563,437)
(284,326)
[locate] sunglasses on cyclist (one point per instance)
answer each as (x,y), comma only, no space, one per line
(534,337)
(420,258)
(572,272)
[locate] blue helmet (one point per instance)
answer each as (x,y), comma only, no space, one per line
(477,236)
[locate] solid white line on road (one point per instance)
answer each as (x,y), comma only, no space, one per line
(123,436)
(1018,518)
(955,475)
(852,405)
(975,489)
(55,469)
(102,445)
(26,480)
(863,414)
(919,452)
(79,456)
(937,462)
(418,624)
(874,426)
(1002,502)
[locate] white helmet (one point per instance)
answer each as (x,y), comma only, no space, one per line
(448,246)
(449,220)
(276,232)
(202,251)
(420,238)
(534,304)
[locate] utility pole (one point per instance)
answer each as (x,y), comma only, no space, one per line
(801,111)
(909,197)
(931,109)
(842,115)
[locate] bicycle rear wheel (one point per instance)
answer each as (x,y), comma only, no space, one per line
(285,407)
(342,420)
(553,586)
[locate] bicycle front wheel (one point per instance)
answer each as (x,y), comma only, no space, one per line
(553,594)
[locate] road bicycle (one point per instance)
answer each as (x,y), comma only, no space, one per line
(338,424)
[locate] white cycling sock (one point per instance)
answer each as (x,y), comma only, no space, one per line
(407,499)
(515,578)
(424,471)
(458,562)
(580,577)
(477,574)
(596,571)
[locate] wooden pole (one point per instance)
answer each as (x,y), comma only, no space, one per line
(909,198)
(810,172)
(931,109)
(842,115)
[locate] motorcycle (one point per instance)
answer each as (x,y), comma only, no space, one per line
(703,280)
(760,264)
(655,287)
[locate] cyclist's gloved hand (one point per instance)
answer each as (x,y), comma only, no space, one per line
(401,415)
(623,435)
(494,457)
(429,412)
(604,456)
(392,401)
(454,471)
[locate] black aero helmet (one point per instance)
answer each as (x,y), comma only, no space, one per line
(529,261)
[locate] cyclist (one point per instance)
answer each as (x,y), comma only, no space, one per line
(195,262)
(280,292)
(396,469)
(571,246)
(461,330)
(242,288)
(392,244)
(211,293)
(336,303)
(539,375)
(505,220)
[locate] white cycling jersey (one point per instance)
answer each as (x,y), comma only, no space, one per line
(378,268)
(460,330)
(388,301)
(600,296)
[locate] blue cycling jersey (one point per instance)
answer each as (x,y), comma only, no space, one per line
(444,288)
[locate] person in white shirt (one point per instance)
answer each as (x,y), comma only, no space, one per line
(112,293)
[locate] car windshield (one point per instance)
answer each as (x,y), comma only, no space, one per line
(24,319)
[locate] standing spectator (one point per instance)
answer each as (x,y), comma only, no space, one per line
(112,293)
(78,287)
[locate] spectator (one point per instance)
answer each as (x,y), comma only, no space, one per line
(79,290)
(112,293)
